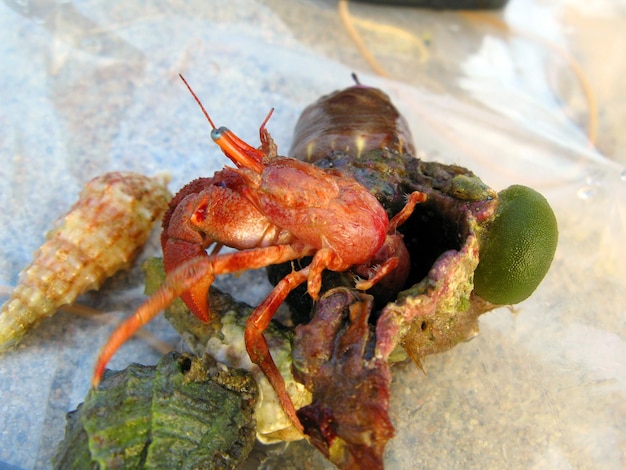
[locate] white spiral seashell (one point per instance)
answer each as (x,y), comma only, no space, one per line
(100,235)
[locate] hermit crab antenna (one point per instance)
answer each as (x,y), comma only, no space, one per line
(197,100)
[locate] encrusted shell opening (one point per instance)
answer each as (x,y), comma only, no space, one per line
(431,230)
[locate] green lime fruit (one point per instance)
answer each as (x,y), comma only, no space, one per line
(517,248)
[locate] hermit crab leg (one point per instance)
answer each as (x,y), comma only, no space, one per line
(256,344)
(390,264)
(175,284)
(401,217)
(185,277)
(377,274)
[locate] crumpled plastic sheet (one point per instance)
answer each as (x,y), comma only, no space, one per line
(89,87)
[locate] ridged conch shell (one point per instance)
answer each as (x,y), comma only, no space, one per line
(100,235)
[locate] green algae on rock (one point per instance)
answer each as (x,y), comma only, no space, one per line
(177,414)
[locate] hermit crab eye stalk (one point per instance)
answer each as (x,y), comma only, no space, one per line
(217,134)
(517,248)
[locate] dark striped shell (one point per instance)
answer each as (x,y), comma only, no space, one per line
(355,121)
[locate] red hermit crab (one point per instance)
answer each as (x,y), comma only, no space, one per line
(273,209)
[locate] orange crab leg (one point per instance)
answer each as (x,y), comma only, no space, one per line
(254,258)
(257,347)
(391,262)
(379,273)
(185,277)
(180,281)
(402,216)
